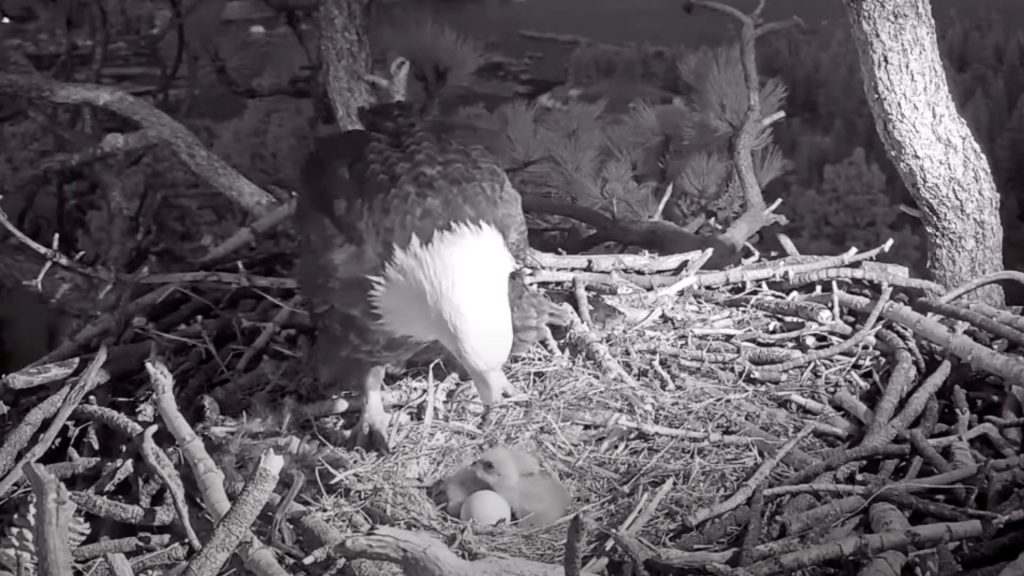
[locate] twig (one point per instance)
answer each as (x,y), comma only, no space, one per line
(33,376)
(1006,275)
(661,236)
(825,514)
(110,418)
(256,556)
(579,290)
(18,439)
(871,544)
(228,278)
(571,39)
(268,332)
(612,280)
(248,234)
(912,408)
(597,350)
(65,470)
(104,324)
(171,480)
(976,319)
(874,276)
(1010,368)
(759,477)
(769,271)
(929,453)
(94,376)
(53,519)
(426,556)
(752,535)
(755,215)
(119,564)
(641,263)
(130,514)
(121,545)
(636,552)
(647,513)
(278,524)
(171,555)
(665,197)
(845,456)
(184,143)
(53,255)
(844,346)
(233,527)
(900,381)
(611,419)
(574,545)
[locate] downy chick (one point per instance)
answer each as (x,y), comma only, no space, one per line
(498,469)
(536,499)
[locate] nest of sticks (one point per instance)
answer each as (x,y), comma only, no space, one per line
(809,413)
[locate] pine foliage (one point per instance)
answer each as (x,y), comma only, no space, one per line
(440,57)
(718,91)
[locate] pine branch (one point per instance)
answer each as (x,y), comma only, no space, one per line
(757,215)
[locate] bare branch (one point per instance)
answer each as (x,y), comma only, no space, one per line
(186,146)
(53,519)
(755,216)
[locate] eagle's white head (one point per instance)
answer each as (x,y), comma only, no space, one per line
(453,290)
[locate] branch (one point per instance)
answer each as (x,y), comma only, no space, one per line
(424,555)
(659,236)
(53,518)
(93,376)
(640,263)
(256,556)
(113,144)
(186,146)
(756,215)
(747,488)
(233,527)
(51,254)
(921,536)
(248,234)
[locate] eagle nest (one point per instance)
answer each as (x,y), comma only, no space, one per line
(735,422)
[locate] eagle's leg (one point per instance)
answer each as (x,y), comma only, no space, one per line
(372,429)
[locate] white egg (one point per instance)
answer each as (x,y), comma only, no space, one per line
(486,508)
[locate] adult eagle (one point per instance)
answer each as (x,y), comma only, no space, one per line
(410,241)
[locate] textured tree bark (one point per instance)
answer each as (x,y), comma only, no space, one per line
(928,141)
(345,57)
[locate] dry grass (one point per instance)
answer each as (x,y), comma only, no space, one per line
(683,429)
(612,472)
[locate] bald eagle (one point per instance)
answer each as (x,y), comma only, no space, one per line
(411,242)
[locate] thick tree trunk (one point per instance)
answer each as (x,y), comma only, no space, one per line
(345,57)
(929,142)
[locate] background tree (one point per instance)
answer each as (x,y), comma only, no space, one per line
(930,144)
(345,54)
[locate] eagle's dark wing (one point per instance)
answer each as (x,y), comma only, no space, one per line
(367,191)
(335,261)
(417,178)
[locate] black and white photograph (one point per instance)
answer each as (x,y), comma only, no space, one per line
(512,287)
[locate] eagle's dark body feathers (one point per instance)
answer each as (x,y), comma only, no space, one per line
(368,191)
